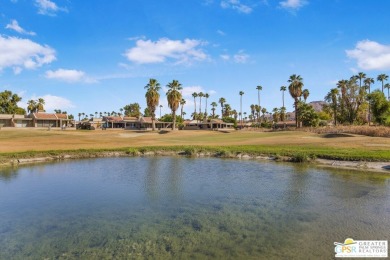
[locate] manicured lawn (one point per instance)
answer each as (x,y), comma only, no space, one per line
(289,143)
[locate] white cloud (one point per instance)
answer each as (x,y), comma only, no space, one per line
(371,55)
(188,91)
(47,7)
(70,76)
(20,53)
(236,5)
(222,33)
(147,51)
(241,57)
(14,25)
(292,4)
(225,57)
(135,38)
(55,102)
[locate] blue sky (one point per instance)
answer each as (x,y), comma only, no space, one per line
(97,56)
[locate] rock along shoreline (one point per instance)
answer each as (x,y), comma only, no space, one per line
(381,167)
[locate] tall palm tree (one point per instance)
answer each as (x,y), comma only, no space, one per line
(305,94)
(360,76)
(241,93)
(222,101)
(182,103)
(295,89)
(79,116)
(283,88)
(200,95)
(40,104)
(213,104)
(367,84)
(160,109)
(382,77)
(259,88)
(152,99)
(174,97)
(194,95)
(252,111)
(205,109)
(331,98)
(387,85)
(258,109)
(31,106)
(227,110)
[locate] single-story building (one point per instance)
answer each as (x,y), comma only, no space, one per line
(9,120)
(206,125)
(42,119)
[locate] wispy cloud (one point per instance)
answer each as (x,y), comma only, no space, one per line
(20,53)
(236,5)
(220,32)
(14,25)
(70,76)
(48,7)
(370,55)
(239,57)
(293,5)
(182,52)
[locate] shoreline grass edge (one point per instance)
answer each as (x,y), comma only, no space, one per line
(321,155)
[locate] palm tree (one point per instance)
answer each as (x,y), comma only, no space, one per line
(387,85)
(174,97)
(259,88)
(31,106)
(222,101)
(241,93)
(182,103)
(213,104)
(200,95)
(263,111)
(252,111)
(152,99)
(367,84)
(295,89)
(227,110)
(160,109)
(382,77)
(331,98)
(195,95)
(40,104)
(360,76)
(305,94)
(205,109)
(283,88)
(79,116)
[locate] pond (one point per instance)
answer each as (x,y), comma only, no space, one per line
(171,207)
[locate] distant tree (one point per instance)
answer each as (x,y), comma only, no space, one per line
(380,107)
(259,88)
(205,109)
(361,76)
(40,104)
(174,97)
(283,89)
(194,95)
(200,95)
(305,94)
(9,103)
(222,101)
(331,98)
(367,85)
(57,111)
(132,109)
(71,117)
(147,112)
(182,103)
(214,105)
(382,78)
(152,99)
(387,85)
(295,89)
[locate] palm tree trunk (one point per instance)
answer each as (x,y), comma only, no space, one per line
(283,97)
(174,120)
(153,121)
(296,113)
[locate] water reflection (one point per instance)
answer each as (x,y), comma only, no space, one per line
(163,207)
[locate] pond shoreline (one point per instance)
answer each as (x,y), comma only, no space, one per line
(43,157)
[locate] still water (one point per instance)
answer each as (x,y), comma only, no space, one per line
(168,207)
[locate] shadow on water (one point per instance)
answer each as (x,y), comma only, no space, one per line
(8,173)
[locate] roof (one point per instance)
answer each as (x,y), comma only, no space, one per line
(45,116)
(5,116)
(130,119)
(147,119)
(62,116)
(113,119)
